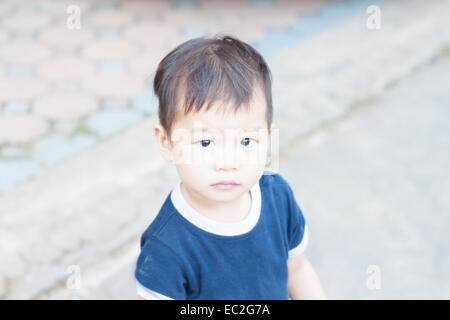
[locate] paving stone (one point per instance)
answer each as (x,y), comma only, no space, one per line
(146,8)
(147,63)
(262,4)
(55,148)
(248,33)
(21,70)
(295,5)
(111,121)
(113,85)
(115,103)
(62,36)
(308,25)
(5,7)
(65,106)
(70,86)
(66,51)
(106,6)
(152,34)
(13,151)
(27,7)
(178,19)
(109,34)
(113,66)
(186,5)
(23,36)
(59,8)
(11,127)
(16,107)
(109,49)
(193,32)
(15,171)
(66,127)
(146,102)
(63,68)
(23,52)
(28,20)
(109,19)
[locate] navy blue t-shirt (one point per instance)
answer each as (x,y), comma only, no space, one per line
(185,255)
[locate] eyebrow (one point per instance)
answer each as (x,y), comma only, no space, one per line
(249,129)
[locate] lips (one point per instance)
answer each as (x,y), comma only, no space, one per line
(226,183)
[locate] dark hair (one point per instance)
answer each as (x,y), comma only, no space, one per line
(203,70)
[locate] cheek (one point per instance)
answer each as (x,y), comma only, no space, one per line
(255,156)
(193,157)
(191,172)
(182,154)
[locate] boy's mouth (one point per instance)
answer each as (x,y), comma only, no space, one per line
(225,184)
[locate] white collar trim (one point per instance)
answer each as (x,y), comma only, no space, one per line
(217,227)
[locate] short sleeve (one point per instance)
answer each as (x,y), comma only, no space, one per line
(159,271)
(297,229)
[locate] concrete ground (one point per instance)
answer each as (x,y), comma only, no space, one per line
(363,117)
(375,189)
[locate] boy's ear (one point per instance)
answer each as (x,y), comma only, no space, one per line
(272,128)
(163,142)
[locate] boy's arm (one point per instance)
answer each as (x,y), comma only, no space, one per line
(303,281)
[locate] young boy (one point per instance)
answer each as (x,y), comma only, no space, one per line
(228,229)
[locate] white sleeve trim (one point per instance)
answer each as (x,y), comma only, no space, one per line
(149,294)
(301,246)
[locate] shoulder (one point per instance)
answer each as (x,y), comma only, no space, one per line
(276,190)
(164,220)
(289,213)
(270,177)
(274,182)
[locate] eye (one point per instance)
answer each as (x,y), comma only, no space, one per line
(206,143)
(248,141)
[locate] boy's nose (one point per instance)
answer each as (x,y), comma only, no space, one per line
(227,159)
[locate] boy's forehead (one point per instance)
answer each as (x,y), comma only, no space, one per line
(212,120)
(222,116)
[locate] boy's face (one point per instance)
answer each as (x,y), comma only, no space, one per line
(209,147)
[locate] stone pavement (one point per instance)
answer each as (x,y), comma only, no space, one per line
(83,181)
(72,88)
